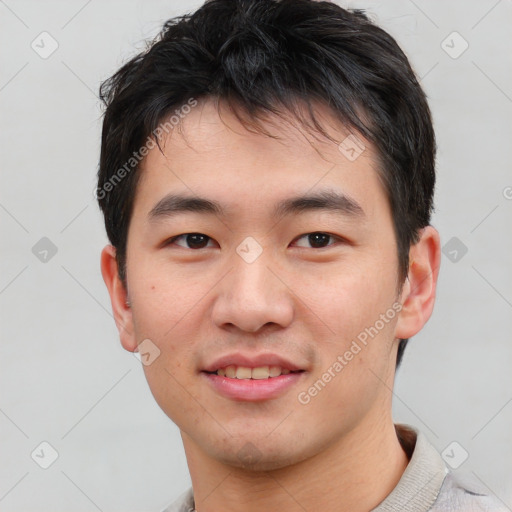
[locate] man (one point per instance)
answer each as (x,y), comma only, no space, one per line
(267,177)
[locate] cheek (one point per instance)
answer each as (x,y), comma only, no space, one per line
(356,305)
(163,295)
(347,299)
(162,310)
(170,375)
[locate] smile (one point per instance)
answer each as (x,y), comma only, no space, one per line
(254,384)
(259,373)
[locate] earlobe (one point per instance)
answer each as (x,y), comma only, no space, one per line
(419,290)
(118,298)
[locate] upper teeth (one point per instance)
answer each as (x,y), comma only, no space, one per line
(244,372)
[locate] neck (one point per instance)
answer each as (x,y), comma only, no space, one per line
(353,474)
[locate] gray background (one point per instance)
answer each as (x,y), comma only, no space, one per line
(65,379)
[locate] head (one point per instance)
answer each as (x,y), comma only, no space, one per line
(297,132)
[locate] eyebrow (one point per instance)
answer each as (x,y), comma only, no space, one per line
(327,200)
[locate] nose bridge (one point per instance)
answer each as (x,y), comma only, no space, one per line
(251,295)
(251,280)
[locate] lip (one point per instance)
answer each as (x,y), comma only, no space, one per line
(252,361)
(252,390)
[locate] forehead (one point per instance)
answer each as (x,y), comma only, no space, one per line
(210,125)
(211,154)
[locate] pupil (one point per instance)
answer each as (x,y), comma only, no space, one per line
(196,240)
(318,239)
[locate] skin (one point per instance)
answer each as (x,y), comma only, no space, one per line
(305,303)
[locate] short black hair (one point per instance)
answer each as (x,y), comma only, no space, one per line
(274,57)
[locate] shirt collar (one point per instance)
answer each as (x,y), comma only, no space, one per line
(422,479)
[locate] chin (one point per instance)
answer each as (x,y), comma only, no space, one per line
(250,456)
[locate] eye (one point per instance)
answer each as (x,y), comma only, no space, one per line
(317,240)
(191,240)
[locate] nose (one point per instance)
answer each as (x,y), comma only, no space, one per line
(253,297)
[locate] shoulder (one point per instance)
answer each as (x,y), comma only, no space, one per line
(462,493)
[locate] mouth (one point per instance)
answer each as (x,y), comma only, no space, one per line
(246,384)
(258,373)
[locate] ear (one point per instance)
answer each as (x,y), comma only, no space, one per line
(419,289)
(118,297)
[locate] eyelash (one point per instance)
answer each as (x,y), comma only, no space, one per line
(336,238)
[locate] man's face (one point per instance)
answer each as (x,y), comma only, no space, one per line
(256,284)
